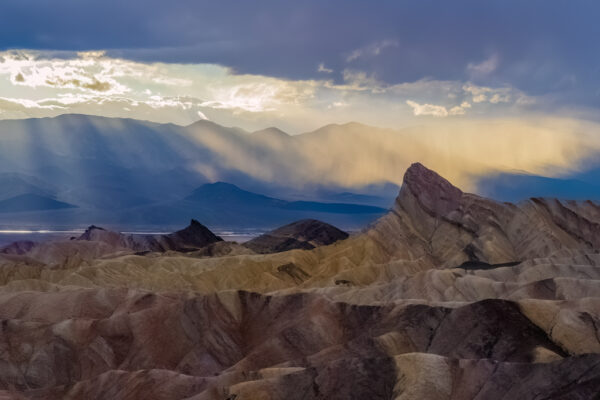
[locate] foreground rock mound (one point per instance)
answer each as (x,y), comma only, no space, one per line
(303,234)
(130,344)
(448,296)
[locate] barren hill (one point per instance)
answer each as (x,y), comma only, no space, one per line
(448,296)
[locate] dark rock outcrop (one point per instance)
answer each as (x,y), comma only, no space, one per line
(191,238)
(19,247)
(304,234)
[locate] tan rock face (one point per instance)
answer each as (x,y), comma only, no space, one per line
(437,220)
(449,296)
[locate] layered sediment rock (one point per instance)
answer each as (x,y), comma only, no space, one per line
(449,296)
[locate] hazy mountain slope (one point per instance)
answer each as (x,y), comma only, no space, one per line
(221,195)
(31,202)
(226,206)
(128,172)
(74,151)
(14,184)
(356,198)
(103,164)
(515,187)
(99,162)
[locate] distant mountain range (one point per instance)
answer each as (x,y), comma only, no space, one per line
(31,202)
(105,163)
(226,195)
(77,169)
(124,172)
(515,187)
(224,205)
(219,204)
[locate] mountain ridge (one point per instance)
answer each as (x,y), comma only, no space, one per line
(32,202)
(220,195)
(103,166)
(191,238)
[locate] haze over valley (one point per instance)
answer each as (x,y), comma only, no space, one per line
(69,170)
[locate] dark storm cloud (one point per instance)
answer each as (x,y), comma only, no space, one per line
(542,47)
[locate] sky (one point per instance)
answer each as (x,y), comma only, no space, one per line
(303,64)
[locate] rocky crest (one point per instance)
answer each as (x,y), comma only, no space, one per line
(434,193)
(193,237)
(304,234)
(437,221)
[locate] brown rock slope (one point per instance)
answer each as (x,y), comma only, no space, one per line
(449,296)
(305,234)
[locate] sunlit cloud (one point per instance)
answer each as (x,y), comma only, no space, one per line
(17,104)
(481,94)
(436,110)
(427,109)
(336,104)
(88,73)
(259,96)
(461,109)
(38,84)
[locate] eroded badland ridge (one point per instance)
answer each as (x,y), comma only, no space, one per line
(447,296)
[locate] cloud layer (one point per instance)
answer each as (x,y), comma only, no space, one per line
(36,84)
(538,47)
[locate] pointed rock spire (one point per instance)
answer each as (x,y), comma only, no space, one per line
(432,191)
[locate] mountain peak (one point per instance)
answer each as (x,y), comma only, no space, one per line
(223,193)
(271,131)
(203,123)
(195,222)
(433,191)
(194,225)
(195,235)
(221,184)
(94,228)
(32,202)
